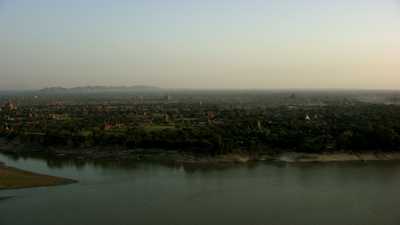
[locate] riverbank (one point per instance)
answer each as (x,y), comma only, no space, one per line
(294,157)
(12,178)
(114,154)
(190,157)
(339,157)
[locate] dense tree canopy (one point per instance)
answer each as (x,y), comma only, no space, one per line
(349,127)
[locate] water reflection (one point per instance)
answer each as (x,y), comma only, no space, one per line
(54,162)
(5,198)
(346,171)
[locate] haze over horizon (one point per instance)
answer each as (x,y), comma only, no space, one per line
(234,44)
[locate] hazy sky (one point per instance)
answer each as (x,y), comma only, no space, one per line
(200,43)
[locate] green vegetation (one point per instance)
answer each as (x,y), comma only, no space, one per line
(157,128)
(219,126)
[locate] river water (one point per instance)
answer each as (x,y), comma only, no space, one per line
(152,193)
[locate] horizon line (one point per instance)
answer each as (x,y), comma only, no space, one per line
(204,88)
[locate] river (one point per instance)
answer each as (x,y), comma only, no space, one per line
(126,193)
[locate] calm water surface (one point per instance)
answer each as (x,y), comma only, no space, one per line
(151,193)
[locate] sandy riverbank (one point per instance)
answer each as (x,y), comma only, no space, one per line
(12,178)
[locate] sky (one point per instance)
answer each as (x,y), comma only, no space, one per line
(245,44)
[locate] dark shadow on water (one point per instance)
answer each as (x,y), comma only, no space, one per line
(6,198)
(57,162)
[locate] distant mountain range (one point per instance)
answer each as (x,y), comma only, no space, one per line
(101,89)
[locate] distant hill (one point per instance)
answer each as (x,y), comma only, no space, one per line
(99,89)
(53,89)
